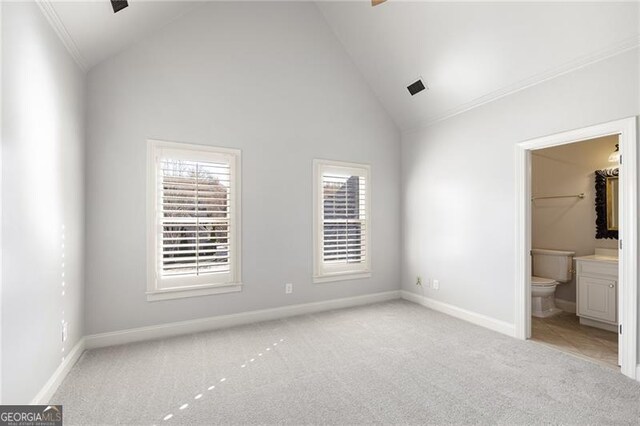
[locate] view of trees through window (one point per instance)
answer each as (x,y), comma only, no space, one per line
(195,217)
(343,218)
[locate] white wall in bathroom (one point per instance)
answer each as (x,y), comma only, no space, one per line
(568,223)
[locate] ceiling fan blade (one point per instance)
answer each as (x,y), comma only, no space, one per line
(377,2)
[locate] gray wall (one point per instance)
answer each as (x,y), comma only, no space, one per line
(459,181)
(271,80)
(42,191)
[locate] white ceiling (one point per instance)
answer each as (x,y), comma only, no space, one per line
(467,53)
(97,33)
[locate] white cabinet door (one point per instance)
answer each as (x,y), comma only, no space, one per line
(597,298)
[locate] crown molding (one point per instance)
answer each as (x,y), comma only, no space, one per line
(49,12)
(568,67)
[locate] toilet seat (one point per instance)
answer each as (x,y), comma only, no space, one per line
(542,282)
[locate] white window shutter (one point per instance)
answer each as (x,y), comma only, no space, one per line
(342,221)
(194,216)
(194,220)
(344,218)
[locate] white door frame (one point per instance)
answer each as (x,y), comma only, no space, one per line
(628,231)
(1,142)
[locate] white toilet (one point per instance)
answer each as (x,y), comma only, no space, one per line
(549,268)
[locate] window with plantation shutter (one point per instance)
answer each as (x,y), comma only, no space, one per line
(194,225)
(342,221)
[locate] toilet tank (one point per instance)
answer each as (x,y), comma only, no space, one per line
(554,264)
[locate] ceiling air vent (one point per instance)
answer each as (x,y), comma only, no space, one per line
(416,87)
(118,5)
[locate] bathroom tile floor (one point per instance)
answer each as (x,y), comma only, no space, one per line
(564,332)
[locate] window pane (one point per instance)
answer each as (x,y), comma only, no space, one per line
(195,217)
(344,219)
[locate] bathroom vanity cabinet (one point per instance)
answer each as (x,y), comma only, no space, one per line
(597,291)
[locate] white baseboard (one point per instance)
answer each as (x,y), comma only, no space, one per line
(205,324)
(194,326)
(463,314)
(58,376)
(566,306)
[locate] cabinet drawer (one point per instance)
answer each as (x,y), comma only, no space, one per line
(598,269)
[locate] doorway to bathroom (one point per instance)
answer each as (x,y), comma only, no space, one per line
(573,302)
(576,265)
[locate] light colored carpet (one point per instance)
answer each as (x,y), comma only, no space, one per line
(394,362)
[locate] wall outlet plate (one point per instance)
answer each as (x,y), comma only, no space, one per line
(436,285)
(288,288)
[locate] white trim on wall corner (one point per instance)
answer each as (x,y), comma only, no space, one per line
(49,388)
(49,12)
(212,323)
(566,68)
(463,314)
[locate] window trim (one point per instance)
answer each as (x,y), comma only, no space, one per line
(319,274)
(154,292)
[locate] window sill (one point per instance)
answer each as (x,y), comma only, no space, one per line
(344,276)
(179,293)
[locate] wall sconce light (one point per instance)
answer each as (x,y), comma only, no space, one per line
(615,155)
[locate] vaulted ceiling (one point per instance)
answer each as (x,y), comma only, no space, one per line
(470,53)
(93,33)
(466,53)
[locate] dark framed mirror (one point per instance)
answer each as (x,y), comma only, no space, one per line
(607,203)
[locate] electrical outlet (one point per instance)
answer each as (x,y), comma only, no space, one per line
(436,285)
(288,288)
(65,331)
(419,280)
